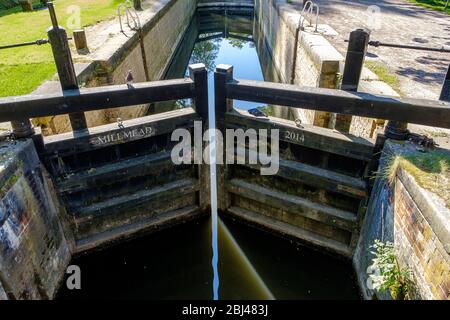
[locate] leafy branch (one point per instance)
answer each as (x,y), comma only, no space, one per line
(389,275)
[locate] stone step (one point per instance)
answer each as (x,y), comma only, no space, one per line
(291,231)
(137,228)
(311,210)
(314,137)
(157,196)
(320,178)
(114,172)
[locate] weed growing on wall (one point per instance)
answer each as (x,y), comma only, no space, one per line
(431,170)
(390,276)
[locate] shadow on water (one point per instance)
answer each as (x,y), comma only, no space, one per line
(171,264)
(176,264)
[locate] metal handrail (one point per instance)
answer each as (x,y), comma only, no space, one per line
(130,15)
(308,9)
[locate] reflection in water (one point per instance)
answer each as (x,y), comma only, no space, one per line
(236,269)
(217,37)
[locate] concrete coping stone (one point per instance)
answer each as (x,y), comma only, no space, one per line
(319,48)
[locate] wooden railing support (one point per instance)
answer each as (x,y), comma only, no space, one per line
(79,37)
(445,92)
(22,128)
(396,130)
(137,5)
(222,75)
(199,74)
(64,64)
(27,5)
(354,61)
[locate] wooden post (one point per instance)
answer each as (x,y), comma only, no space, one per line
(294,62)
(199,75)
(79,37)
(64,64)
(354,61)
(222,75)
(137,5)
(396,130)
(445,92)
(22,128)
(27,5)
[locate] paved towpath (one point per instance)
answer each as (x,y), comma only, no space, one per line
(420,73)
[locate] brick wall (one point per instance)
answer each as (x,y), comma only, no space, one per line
(418,246)
(418,224)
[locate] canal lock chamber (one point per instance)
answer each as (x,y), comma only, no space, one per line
(303,256)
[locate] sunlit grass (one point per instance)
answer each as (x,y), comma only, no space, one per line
(384,75)
(24,78)
(433,4)
(17,26)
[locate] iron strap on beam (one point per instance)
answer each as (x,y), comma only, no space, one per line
(418,111)
(31,106)
(38,42)
(405,46)
(23,44)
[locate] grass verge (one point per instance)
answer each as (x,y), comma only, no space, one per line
(431,170)
(438,5)
(384,75)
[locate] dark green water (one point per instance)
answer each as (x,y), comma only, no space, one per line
(176,263)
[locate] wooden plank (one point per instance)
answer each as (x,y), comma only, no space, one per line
(309,136)
(58,40)
(88,99)
(115,172)
(110,134)
(126,202)
(295,232)
(420,111)
(315,211)
(151,223)
(318,177)
(354,62)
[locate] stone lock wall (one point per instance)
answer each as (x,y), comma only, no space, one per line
(317,64)
(369,83)
(35,246)
(416,222)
